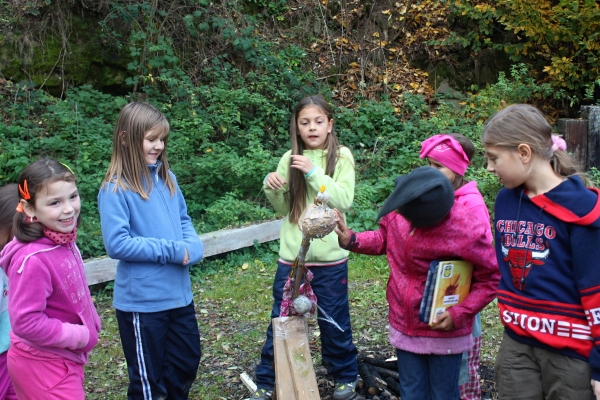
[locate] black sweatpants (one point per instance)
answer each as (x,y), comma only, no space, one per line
(162,350)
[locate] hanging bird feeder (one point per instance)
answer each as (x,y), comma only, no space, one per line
(316,222)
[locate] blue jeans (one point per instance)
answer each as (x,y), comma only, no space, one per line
(330,285)
(428,376)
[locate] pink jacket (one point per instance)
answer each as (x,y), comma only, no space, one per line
(469,196)
(409,251)
(49,305)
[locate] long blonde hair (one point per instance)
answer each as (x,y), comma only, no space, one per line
(525,124)
(298,191)
(128,169)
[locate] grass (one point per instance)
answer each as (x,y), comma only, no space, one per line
(233,305)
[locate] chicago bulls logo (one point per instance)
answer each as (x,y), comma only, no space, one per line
(520,262)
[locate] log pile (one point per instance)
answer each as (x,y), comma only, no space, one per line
(378,378)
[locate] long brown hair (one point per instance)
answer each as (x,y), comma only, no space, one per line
(128,169)
(469,150)
(9,198)
(298,190)
(525,124)
(38,175)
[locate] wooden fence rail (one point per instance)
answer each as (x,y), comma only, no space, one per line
(583,136)
(104,269)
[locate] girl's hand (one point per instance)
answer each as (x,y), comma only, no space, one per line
(443,322)
(275,181)
(596,389)
(342,230)
(302,163)
(186,258)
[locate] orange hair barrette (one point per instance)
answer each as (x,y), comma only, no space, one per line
(24,190)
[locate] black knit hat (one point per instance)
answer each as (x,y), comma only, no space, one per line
(424,197)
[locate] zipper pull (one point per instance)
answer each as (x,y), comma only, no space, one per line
(412,233)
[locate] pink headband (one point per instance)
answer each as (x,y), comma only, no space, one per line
(447,151)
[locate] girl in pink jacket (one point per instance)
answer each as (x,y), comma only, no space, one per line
(451,154)
(54,321)
(9,196)
(422,223)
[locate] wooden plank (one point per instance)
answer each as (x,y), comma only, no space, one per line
(574,131)
(284,384)
(233,239)
(100,270)
(104,269)
(299,361)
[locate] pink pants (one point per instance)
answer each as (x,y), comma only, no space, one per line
(39,375)
(7,391)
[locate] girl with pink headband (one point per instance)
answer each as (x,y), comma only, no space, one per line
(451,154)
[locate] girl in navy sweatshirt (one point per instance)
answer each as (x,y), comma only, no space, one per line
(547,235)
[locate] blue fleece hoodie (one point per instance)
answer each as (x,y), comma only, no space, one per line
(149,238)
(548,247)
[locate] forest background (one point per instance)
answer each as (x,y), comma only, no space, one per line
(227,74)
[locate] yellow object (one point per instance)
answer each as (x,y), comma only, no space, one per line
(451,287)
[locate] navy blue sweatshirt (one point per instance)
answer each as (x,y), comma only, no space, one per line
(548,250)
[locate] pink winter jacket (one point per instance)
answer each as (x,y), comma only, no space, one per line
(409,252)
(469,196)
(49,304)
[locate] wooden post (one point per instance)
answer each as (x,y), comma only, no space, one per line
(592,114)
(574,131)
(294,373)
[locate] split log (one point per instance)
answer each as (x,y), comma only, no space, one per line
(393,365)
(377,378)
(385,395)
(369,382)
(248,382)
(384,372)
(393,385)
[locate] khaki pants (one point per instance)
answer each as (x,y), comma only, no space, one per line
(525,372)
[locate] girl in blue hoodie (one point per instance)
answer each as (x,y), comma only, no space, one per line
(145,225)
(547,235)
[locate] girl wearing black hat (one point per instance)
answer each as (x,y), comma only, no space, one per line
(422,223)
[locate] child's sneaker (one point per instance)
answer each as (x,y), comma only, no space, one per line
(262,394)
(345,391)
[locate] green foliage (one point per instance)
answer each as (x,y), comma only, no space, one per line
(227,136)
(229,132)
(272,8)
(561,39)
(521,87)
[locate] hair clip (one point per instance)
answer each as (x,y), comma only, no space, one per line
(20,207)
(558,143)
(24,190)
(67,167)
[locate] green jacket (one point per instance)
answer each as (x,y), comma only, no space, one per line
(341,192)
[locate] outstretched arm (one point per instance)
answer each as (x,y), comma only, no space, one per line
(344,233)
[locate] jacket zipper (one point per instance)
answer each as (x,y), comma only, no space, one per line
(411,280)
(81,281)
